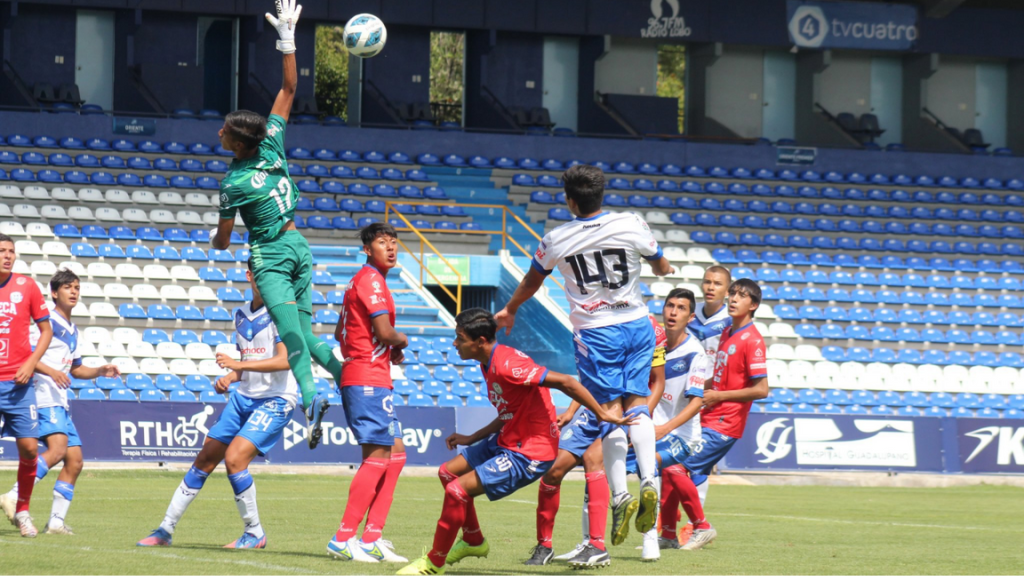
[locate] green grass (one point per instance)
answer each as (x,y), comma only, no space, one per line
(762,530)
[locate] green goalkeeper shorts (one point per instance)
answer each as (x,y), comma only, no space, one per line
(283,269)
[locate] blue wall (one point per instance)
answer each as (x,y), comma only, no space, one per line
(33,59)
(407,54)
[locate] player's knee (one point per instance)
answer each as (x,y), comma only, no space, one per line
(455,490)
(235,462)
(445,476)
(27,452)
(73,464)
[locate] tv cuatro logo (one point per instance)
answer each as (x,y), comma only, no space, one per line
(808,26)
(661,25)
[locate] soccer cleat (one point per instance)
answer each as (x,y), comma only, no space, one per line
(350,550)
(62,529)
(422,565)
(685,533)
(621,513)
(9,504)
(701,538)
(248,540)
(647,514)
(572,553)
(24,523)
(668,544)
(540,556)
(159,537)
(651,552)
(463,550)
(314,418)
(387,550)
(591,557)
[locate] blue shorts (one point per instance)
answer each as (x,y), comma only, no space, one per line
(615,361)
(670,444)
(18,410)
(370,413)
(503,471)
(716,446)
(258,420)
(56,420)
(584,430)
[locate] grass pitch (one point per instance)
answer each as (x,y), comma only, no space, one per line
(762,530)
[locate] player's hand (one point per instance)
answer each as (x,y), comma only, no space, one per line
(564,419)
(506,320)
(60,379)
(110,371)
(712,397)
(457,439)
(285,21)
(397,356)
(222,384)
(660,430)
(617,418)
(227,362)
(24,374)
(671,270)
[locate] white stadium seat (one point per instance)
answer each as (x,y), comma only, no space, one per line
(156,272)
(153,366)
(103,310)
(90,290)
(213,218)
(111,349)
(659,235)
(657,217)
(77,267)
(30,211)
(189,218)
(108,215)
(183,367)
(199,351)
(678,236)
(136,216)
(12,228)
(144,197)
(210,368)
(79,213)
(397,373)
(21,267)
(170,350)
(127,270)
(56,249)
(141,350)
(808,352)
(198,199)
(96,334)
(170,199)
(162,217)
(27,248)
(699,255)
(173,292)
(143,291)
(765,312)
(661,289)
(229,349)
(80,310)
(184,272)
(90,195)
(675,254)
(93,361)
(202,294)
(5,211)
(117,290)
(116,195)
(62,194)
(11,192)
(126,336)
(690,271)
(126,365)
(39,230)
(43,269)
(781,330)
(85,348)
(36,193)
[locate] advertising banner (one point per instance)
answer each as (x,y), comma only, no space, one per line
(873,26)
(796,155)
(838,442)
(135,126)
(990,445)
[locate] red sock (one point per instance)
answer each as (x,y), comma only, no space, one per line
(453,517)
(669,503)
(683,485)
(26,481)
(361,492)
(445,476)
(597,506)
(471,533)
(378,514)
(547,507)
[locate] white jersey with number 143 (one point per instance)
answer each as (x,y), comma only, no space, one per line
(600,260)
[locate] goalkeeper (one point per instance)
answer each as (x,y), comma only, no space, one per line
(258,187)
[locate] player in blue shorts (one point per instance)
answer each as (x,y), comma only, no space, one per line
(600,255)
(249,426)
(61,359)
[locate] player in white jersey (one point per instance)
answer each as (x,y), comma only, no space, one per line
(250,425)
(51,380)
(600,255)
(712,317)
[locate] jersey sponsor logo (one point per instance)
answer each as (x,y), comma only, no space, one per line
(745,336)
(540,254)
(16,297)
(255,351)
(374,299)
(604,305)
(258,179)
(272,130)
(595,225)
(9,308)
(5,347)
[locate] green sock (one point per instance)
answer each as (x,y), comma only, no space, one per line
(318,349)
(286,318)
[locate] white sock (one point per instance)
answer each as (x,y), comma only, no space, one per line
(246,503)
(615,447)
(14,490)
(586,516)
(63,492)
(702,491)
(183,496)
(642,436)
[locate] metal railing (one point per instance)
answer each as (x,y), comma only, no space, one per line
(506,238)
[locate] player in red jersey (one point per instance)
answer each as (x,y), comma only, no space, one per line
(741,377)
(514,450)
(21,302)
(370,344)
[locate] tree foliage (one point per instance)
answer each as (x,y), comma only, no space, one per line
(446,62)
(672,76)
(331,71)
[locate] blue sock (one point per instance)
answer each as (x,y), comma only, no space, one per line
(641,409)
(64,489)
(195,478)
(240,481)
(41,468)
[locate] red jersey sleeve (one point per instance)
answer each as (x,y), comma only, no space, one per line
(37,305)
(756,365)
(518,369)
(370,292)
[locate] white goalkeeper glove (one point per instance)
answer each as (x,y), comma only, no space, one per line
(285,21)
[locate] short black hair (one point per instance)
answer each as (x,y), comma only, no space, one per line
(6,238)
(719,269)
(746,287)
(370,233)
(247,127)
(684,294)
(63,277)
(477,322)
(584,185)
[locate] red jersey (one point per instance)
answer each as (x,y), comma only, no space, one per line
(660,342)
(367,361)
(740,359)
(513,386)
(20,303)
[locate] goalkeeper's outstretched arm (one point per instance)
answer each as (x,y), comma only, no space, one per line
(285,22)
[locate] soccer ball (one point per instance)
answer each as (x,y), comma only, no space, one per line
(365,35)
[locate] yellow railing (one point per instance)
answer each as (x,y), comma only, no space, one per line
(506,238)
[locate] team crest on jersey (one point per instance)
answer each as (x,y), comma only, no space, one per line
(497,388)
(517,372)
(224,199)
(732,349)
(16,297)
(19,281)
(376,286)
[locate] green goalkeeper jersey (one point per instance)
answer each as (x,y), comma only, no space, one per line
(260,188)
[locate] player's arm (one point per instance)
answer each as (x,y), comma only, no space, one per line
(756,389)
(457,439)
(661,266)
(277,363)
(83,372)
(573,389)
(25,371)
(222,237)
(657,384)
(565,417)
(386,333)
(685,415)
(285,22)
(532,282)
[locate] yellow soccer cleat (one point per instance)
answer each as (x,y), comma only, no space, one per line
(463,550)
(421,565)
